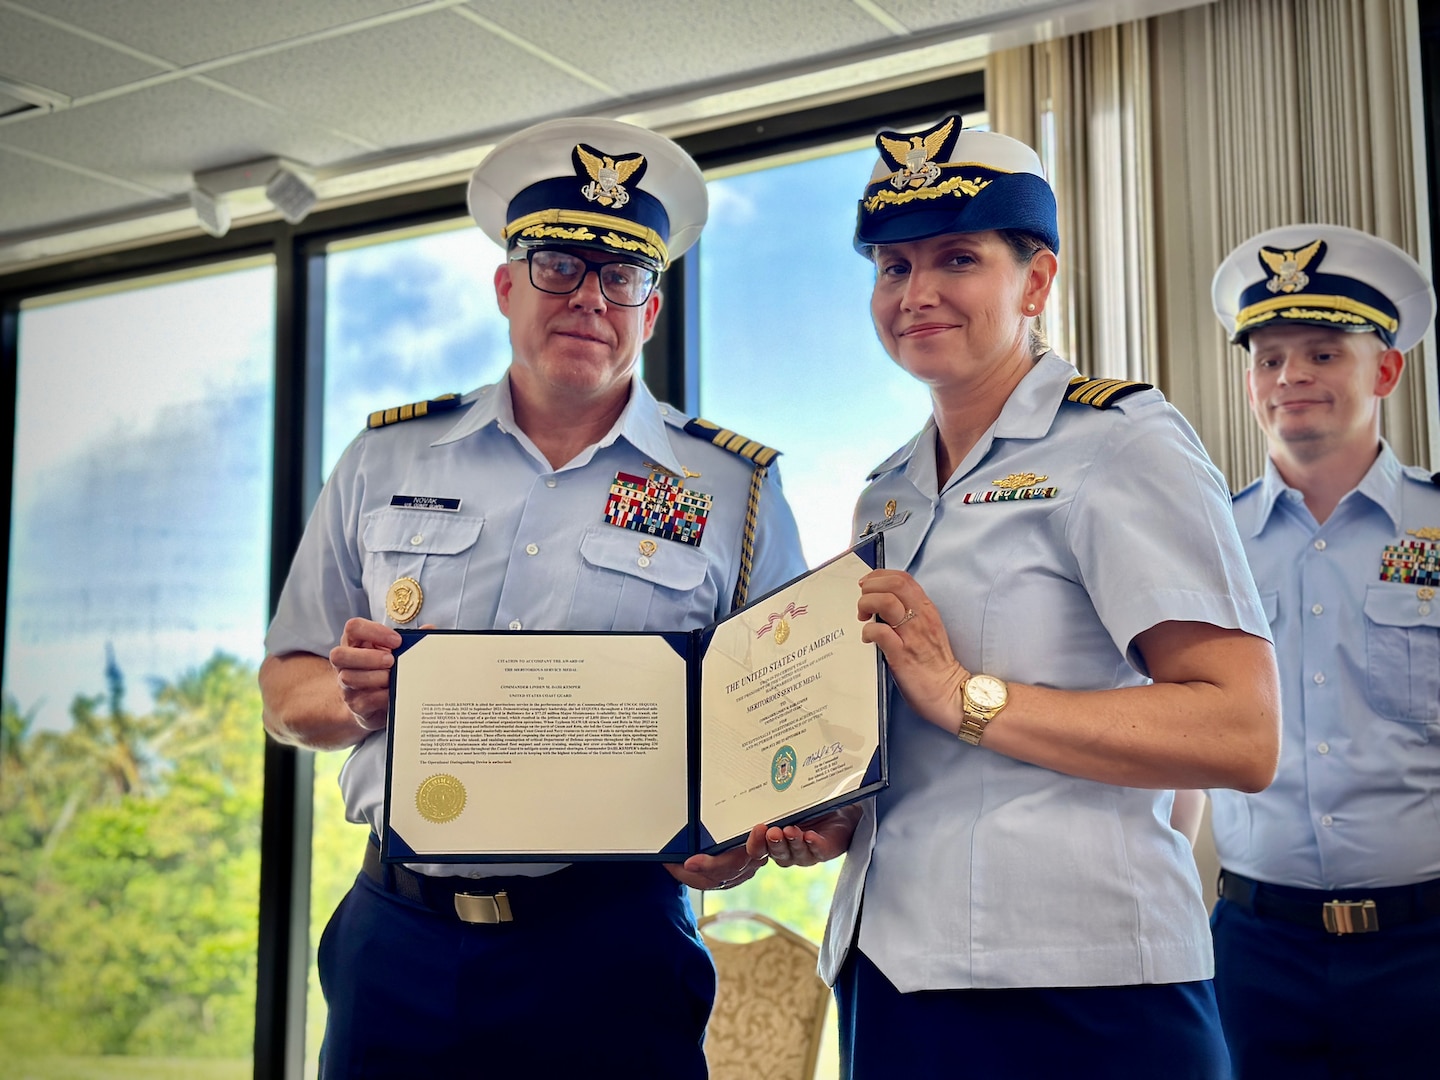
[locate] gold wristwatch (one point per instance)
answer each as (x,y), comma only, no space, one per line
(981,697)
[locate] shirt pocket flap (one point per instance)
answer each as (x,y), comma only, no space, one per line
(424,532)
(1270,601)
(1398,606)
(672,565)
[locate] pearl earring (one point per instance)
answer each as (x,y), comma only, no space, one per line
(1030,308)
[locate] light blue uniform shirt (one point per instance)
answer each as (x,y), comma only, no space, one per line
(529,547)
(1356,803)
(978,870)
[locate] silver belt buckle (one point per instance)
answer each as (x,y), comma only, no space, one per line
(1351,917)
(480,908)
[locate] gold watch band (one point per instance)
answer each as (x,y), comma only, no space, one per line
(972,728)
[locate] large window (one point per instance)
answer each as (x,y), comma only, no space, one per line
(131,748)
(170,434)
(408,316)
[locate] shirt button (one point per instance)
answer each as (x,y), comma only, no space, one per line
(1317,609)
(1324,748)
(644,560)
(1327,821)
(532,549)
(417,539)
(1319,545)
(550,481)
(1424,609)
(1319,678)
(515,624)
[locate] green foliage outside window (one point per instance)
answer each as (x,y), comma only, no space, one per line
(129,863)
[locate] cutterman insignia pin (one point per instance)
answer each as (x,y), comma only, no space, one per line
(403,600)
(1020,480)
(1427,533)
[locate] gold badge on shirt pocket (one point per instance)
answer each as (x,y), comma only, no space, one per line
(404,599)
(1015,486)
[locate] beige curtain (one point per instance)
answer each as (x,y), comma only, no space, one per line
(1171,140)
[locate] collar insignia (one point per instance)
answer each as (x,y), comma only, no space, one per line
(1020,480)
(913,156)
(607,175)
(1289,266)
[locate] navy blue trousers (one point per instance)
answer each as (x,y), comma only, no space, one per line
(1165,1031)
(1307,1005)
(615,984)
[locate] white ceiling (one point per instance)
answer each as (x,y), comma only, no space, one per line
(108,107)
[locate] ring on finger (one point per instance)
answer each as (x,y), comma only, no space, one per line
(909,614)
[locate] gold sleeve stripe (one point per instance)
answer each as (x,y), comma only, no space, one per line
(1264,309)
(1101,393)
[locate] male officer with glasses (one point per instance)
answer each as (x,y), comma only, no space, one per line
(1327,931)
(530,504)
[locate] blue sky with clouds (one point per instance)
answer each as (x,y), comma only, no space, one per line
(142,466)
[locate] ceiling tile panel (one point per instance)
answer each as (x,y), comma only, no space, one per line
(54,195)
(38,53)
(641,47)
(158,137)
(207,29)
(425,80)
(919,16)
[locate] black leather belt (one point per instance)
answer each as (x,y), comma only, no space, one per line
(594,887)
(1337,911)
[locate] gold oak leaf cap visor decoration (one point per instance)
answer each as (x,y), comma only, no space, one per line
(1323,275)
(949,180)
(593,183)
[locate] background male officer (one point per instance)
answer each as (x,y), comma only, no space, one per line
(493,511)
(1327,933)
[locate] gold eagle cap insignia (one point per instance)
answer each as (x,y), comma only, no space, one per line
(914,156)
(607,176)
(1289,267)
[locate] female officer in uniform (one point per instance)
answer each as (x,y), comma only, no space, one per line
(1072,634)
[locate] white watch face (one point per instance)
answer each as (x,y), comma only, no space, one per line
(985,691)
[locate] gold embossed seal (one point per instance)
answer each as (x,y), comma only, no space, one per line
(403,600)
(782,632)
(440,798)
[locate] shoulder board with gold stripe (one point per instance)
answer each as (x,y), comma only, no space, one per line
(726,439)
(1101,393)
(444,403)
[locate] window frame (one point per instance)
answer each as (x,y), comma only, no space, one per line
(299,253)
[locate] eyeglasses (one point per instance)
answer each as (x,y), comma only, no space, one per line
(562,273)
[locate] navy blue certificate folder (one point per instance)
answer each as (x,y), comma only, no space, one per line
(535,746)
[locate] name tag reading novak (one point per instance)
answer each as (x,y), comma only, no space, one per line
(513,746)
